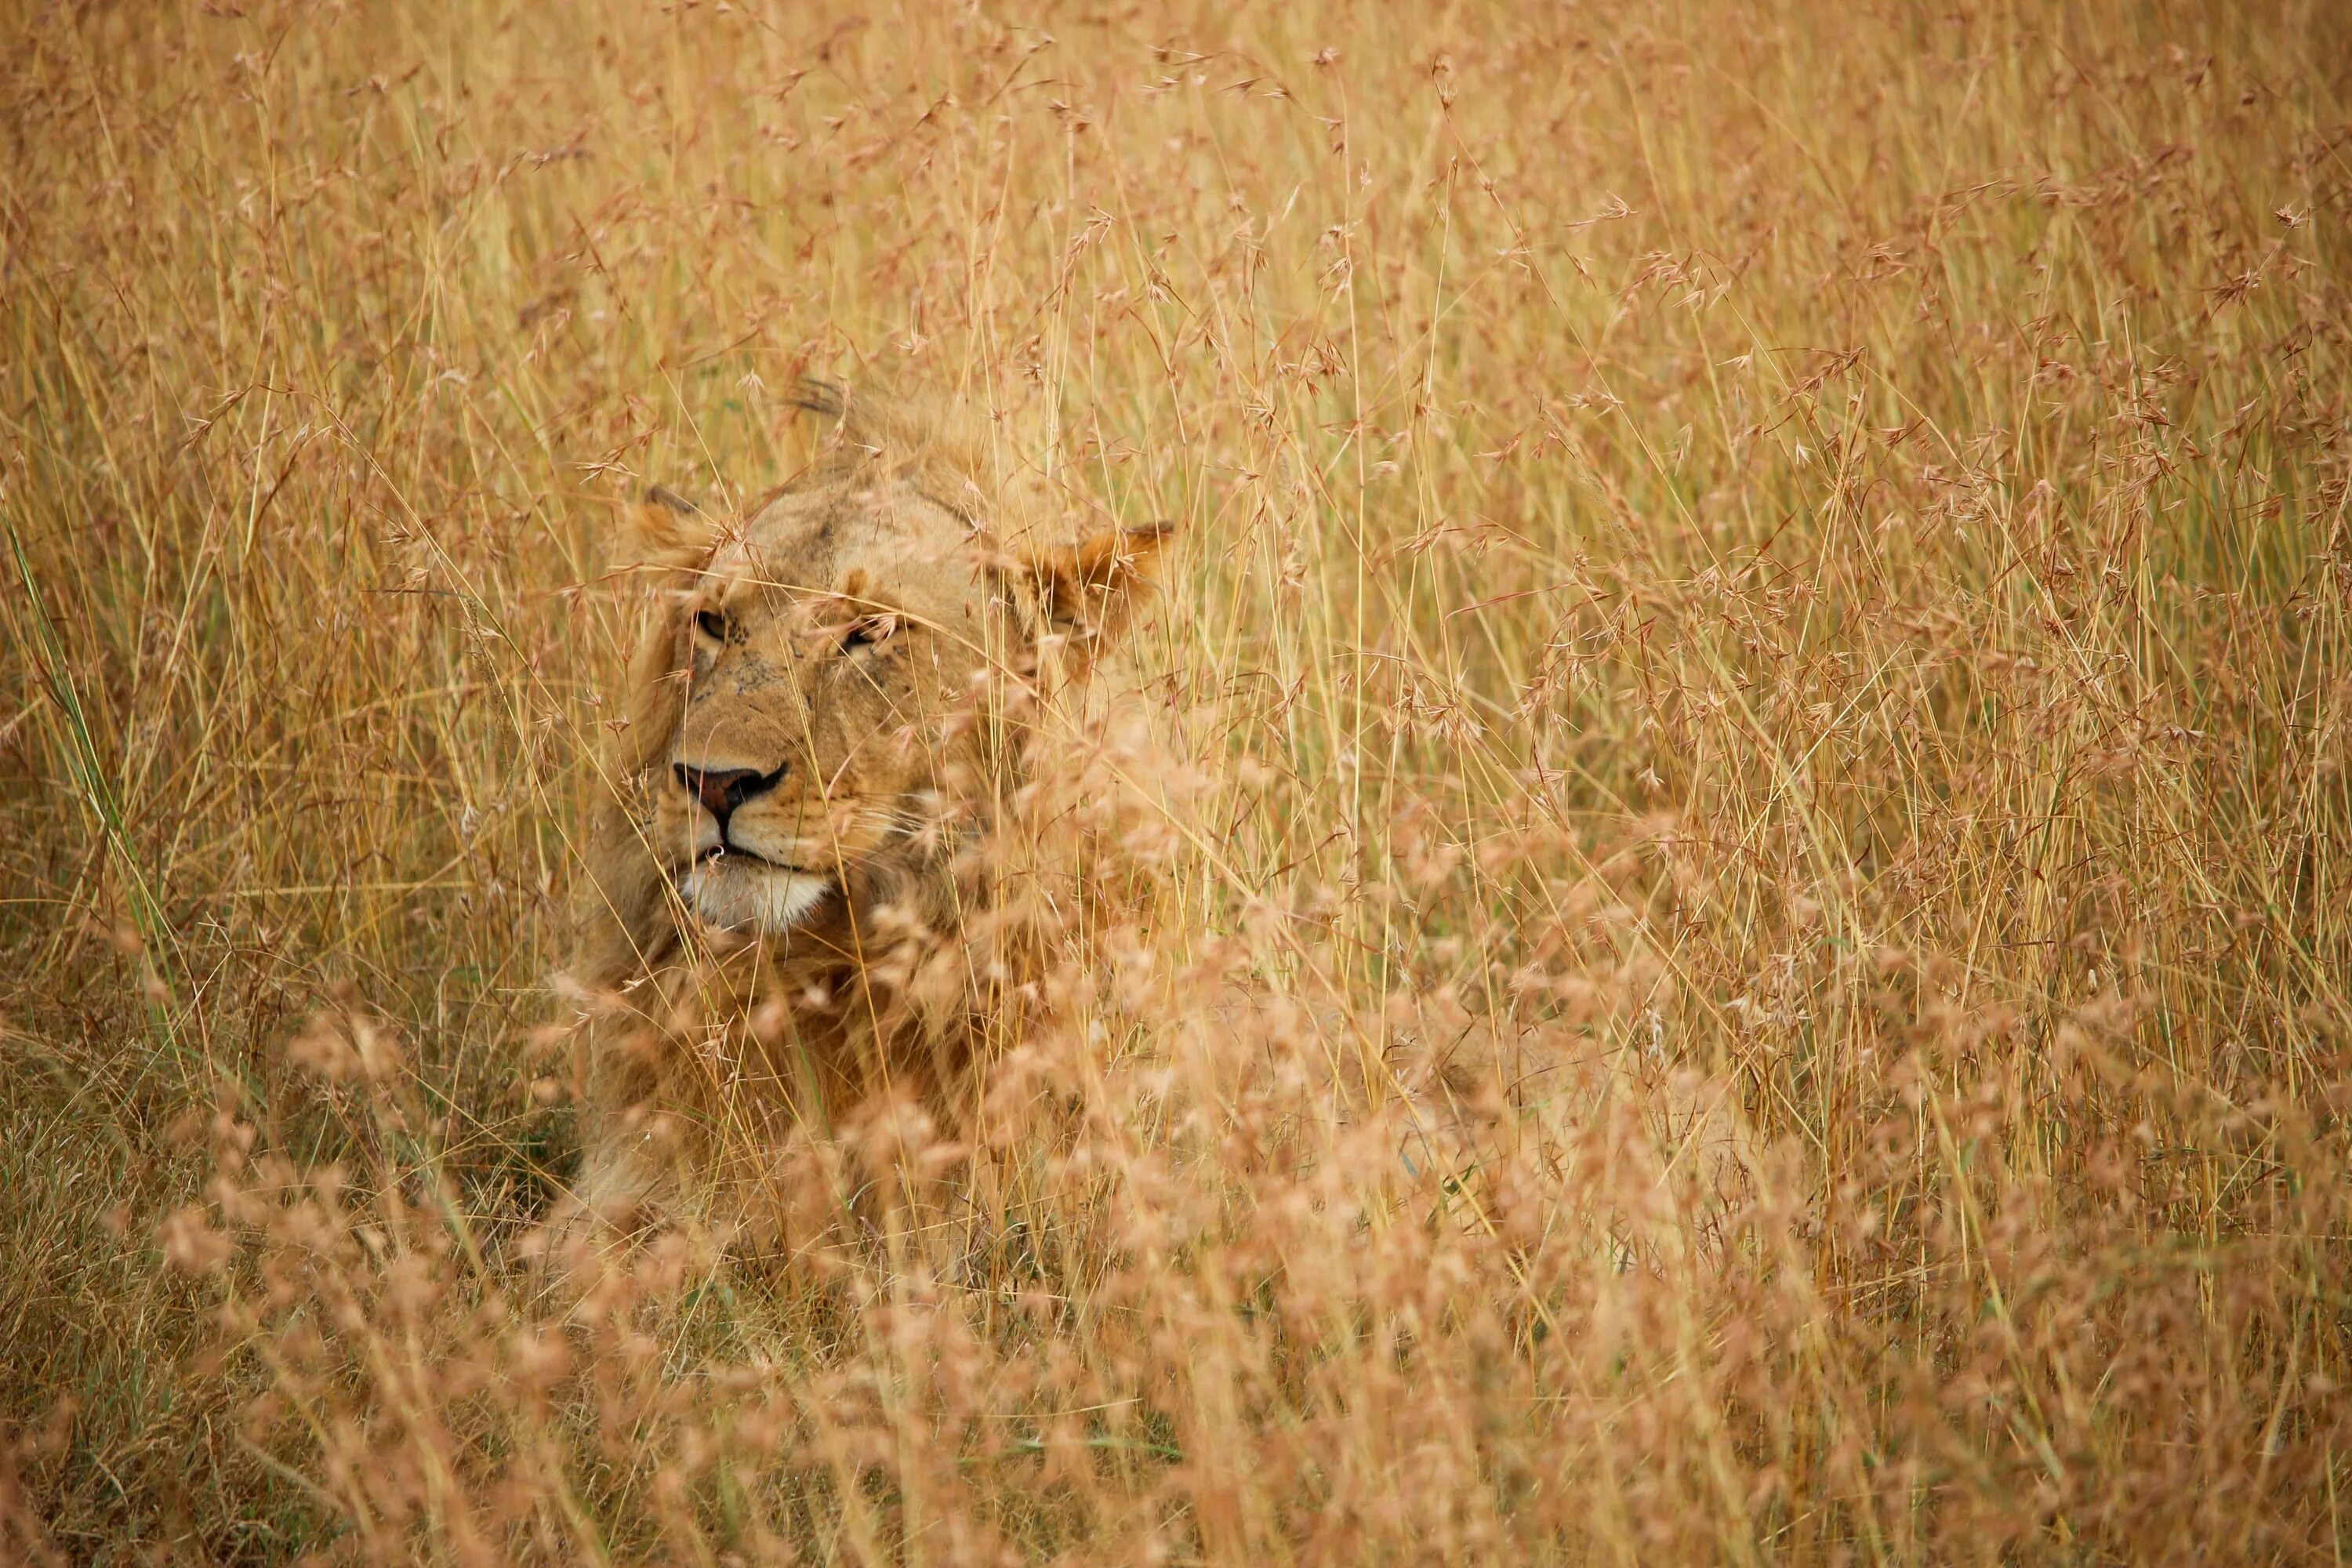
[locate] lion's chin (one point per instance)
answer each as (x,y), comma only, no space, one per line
(734,895)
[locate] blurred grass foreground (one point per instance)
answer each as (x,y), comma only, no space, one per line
(1751,696)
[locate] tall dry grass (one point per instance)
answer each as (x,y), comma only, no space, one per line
(1720,894)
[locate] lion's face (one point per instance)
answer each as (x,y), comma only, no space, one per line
(823,687)
(824,660)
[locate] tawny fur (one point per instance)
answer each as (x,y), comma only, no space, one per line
(884,622)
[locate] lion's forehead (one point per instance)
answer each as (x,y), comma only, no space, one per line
(900,542)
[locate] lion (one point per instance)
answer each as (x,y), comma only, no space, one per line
(829,706)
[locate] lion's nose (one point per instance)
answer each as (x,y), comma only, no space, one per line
(721,790)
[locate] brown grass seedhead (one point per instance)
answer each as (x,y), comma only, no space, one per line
(1702,919)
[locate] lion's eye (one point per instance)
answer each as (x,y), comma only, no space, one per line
(868,630)
(713,625)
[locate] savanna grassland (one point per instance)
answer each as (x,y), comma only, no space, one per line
(1751,695)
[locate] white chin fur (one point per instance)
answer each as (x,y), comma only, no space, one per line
(737,897)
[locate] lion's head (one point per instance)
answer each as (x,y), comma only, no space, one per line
(821,686)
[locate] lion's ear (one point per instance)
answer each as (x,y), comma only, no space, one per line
(666,530)
(1086,590)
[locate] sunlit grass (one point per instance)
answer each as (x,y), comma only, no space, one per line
(1718,884)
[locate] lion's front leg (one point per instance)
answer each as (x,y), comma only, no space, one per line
(638,1169)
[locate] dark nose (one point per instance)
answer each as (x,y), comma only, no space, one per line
(721,790)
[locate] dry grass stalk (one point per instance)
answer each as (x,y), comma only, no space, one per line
(1707,922)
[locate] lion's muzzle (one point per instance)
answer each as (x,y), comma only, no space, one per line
(722,789)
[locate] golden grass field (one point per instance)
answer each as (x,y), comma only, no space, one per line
(1751,693)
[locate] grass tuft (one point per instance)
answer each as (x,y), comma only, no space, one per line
(1715,919)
